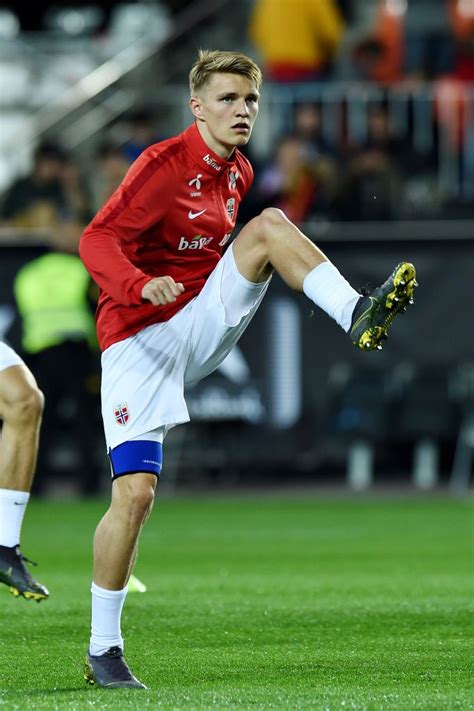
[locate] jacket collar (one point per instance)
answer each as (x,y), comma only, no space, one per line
(205,158)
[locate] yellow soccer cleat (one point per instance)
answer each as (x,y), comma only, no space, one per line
(14,574)
(374,313)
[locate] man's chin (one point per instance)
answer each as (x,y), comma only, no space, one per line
(241,140)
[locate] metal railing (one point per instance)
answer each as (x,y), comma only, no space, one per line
(433,119)
(96,97)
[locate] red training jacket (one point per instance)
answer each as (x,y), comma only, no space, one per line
(171,216)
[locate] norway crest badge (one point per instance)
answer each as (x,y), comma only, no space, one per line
(122,413)
(230,208)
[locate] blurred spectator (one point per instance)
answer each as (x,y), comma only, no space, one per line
(38,200)
(320,155)
(141,134)
(307,126)
(462,22)
(287,181)
(371,188)
(111,166)
(379,57)
(76,192)
(43,202)
(297,39)
(428,39)
(410,39)
(54,296)
(462,19)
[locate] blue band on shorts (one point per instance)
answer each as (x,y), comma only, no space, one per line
(138,455)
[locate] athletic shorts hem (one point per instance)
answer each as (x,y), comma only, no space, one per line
(8,357)
(142,470)
(166,422)
(257,285)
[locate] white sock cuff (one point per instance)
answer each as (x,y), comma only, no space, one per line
(322,273)
(108,594)
(20,496)
(328,289)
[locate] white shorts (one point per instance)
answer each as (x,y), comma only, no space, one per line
(143,377)
(8,357)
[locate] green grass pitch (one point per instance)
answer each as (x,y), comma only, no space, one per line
(257,603)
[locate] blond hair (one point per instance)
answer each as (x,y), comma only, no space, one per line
(211,61)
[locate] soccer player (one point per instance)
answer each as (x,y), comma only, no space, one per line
(21,408)
(173,303)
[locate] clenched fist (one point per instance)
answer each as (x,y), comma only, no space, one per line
(162,290)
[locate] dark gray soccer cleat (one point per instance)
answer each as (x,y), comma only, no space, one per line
(14,574)
(110,671)
(374,313)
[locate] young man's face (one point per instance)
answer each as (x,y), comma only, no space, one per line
(226,109)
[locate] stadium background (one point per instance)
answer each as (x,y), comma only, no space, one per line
(382,169)
(373,155)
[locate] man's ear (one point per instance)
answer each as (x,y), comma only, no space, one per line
(196,107)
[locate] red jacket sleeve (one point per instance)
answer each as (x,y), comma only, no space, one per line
(141,201)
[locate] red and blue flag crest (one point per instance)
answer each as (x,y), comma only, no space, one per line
(230,207)
(122,414)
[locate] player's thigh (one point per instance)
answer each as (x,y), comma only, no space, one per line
(142,380)
(251,246)
(220,315)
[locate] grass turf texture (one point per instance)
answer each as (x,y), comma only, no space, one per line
(275,603)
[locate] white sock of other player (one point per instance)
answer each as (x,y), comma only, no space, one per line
(106,615)
(12,509)
(329,290)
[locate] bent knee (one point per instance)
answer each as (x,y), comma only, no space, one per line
(273,217)
(135,494)
(24,405)
(269,220)
(142,498)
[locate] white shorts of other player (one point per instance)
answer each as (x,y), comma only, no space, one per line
(8,357)
(143,377)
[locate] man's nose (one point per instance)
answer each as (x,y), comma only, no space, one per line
(242,108)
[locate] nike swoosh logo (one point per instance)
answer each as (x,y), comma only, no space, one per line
(192,215)
(19,503)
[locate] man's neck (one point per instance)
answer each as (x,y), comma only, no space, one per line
(224,152)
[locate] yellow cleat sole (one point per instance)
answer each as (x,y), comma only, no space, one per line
(28,594)
(370,339)
(88,675)
(404,282)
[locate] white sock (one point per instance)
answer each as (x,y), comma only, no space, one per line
(328,289)
(106,613)
(12,509)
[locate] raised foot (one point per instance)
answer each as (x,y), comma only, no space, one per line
(14,574)
(375,312)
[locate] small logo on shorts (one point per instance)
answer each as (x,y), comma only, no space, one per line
(122,414)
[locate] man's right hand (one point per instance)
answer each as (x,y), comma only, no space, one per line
(162,290)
